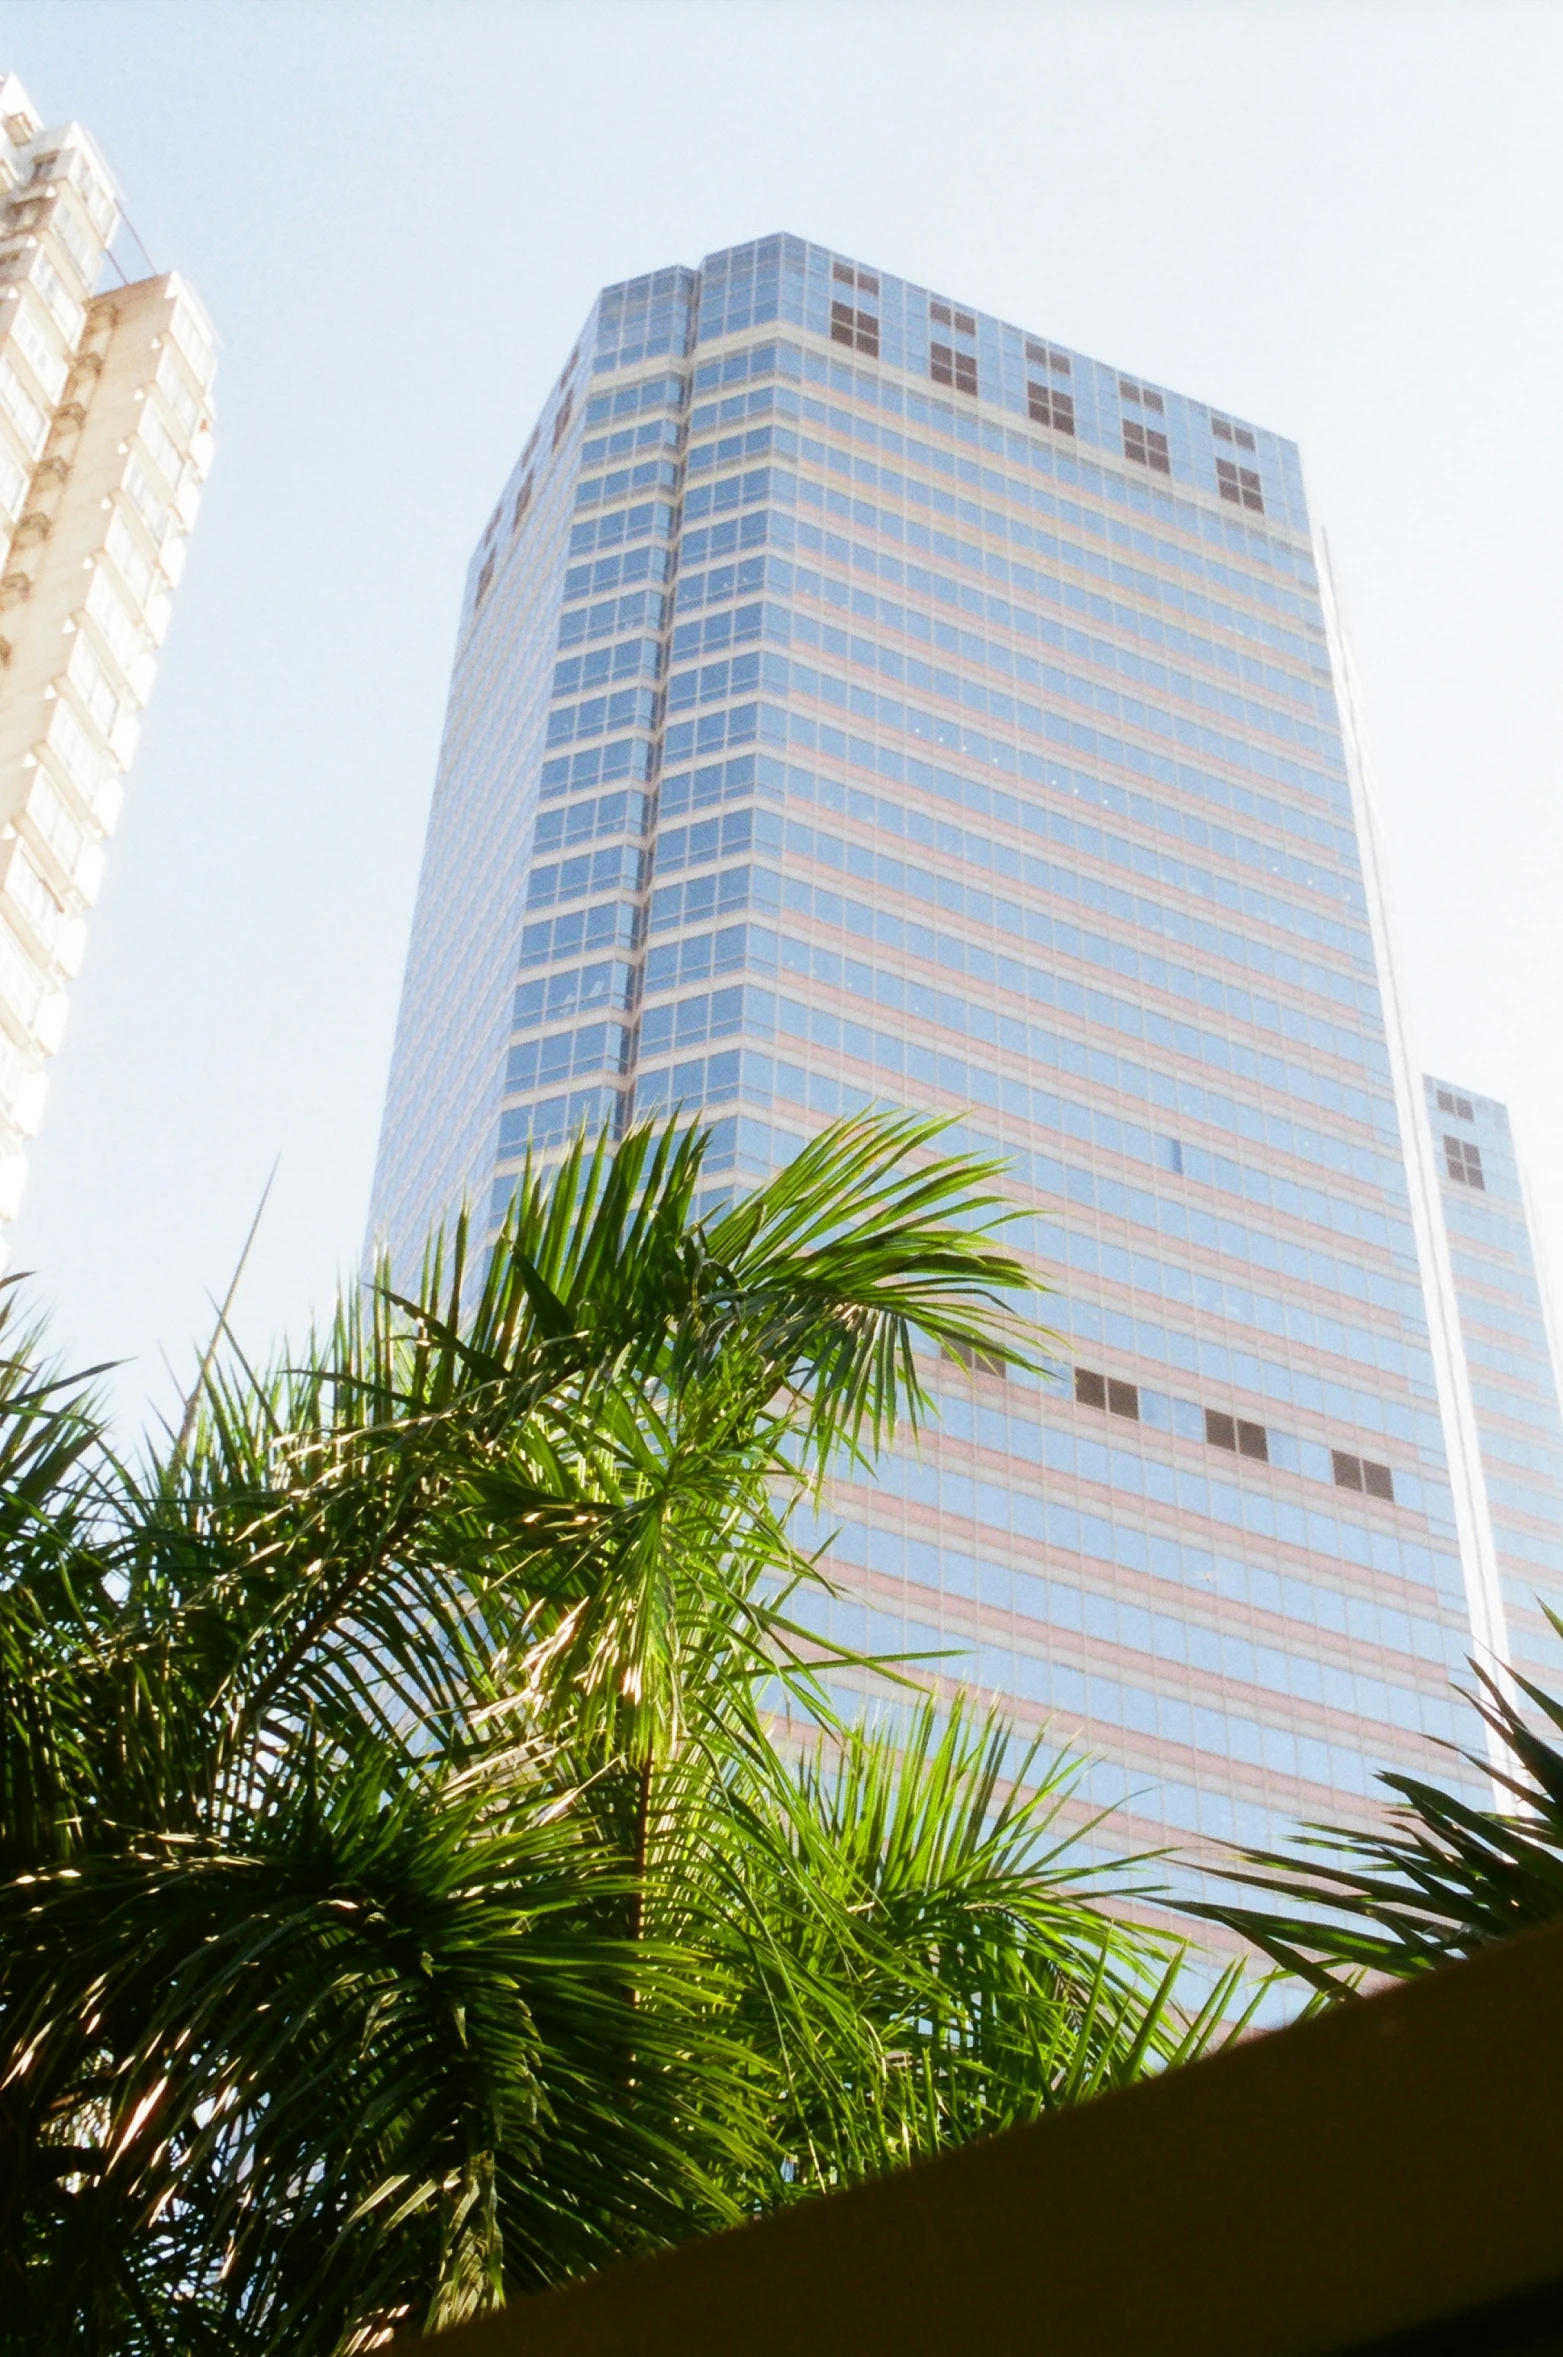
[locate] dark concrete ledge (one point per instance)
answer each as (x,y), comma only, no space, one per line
(1386,2181)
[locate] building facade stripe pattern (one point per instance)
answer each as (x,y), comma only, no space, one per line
(862,700)
(1510,1350)
(105,441)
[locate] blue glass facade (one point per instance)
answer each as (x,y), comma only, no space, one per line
(860,700)
(1511,1354)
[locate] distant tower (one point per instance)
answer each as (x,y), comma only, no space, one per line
(1505,1320)
(105,438)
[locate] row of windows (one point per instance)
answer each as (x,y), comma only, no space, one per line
(662,434)
(606,987)
(1236,1433)
(1460,1107)
(1321,741)
(657,392)
(566,1055)
(642,609)
(1216,1580)
(1003,753)
(611,925)
(789,361)
(1130,1018)
(1085,1253)
(1077,785)
(1269,1190)
(623,813)
(659,474)
(942,1008)
(653,517)
(632,658)
(630,707)
(756,949)
(597,765)
(1179,559)
(974,1085)
(1143,444)
(1011,663)
(620,867)
(553,1121)
(950,730)
(910,824)
(614,572)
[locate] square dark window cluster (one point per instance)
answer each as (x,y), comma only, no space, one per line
(1109,1392)
(1225,431)
(1046,406)
(1045,356)
(523,502)
(1460,1107)
(849,323)
(1361,1473)
(1239,484)
(1141,395)
(947,367)
(945,315)
(1464,1164)
(858,330)
(1237,1434)
(1146,446)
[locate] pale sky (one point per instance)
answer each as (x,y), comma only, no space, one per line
(1339,220)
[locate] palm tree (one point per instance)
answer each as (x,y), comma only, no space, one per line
(406,1899)
(1443,1880)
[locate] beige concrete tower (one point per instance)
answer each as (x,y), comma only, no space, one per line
(105,438)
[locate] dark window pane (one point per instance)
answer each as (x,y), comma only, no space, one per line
(1123,1398)
(843,271)
(1060,361)
(1152,400)
(1253,500)
(1243,438)
(1231,491)
(1156,441)
(1128,390)
(1348,1470)
(841,311)
(1377,1480)
(1219,426)
(1090,1390)
(868,284)
(941,312)
(1253,1441)
(965,322)
(1220,1431)
(1036,354)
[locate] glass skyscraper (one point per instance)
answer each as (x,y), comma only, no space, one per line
(861,700)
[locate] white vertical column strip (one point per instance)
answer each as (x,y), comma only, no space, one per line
(1473,1519)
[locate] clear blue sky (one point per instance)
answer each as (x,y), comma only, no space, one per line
(1339,219)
